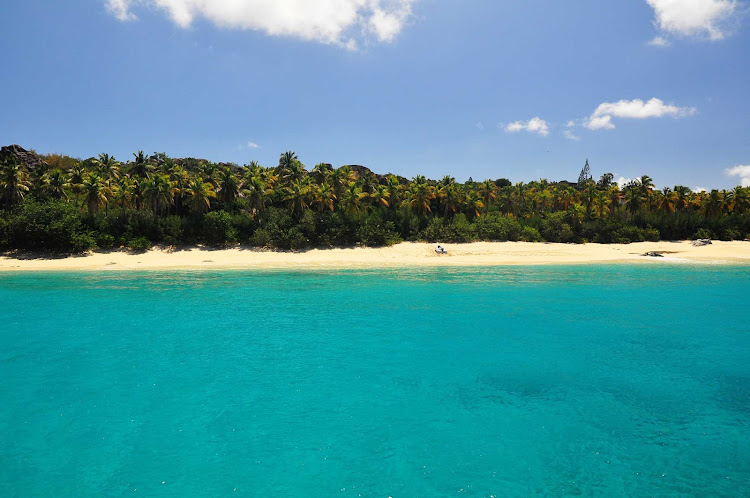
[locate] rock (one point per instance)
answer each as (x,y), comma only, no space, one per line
(702,242)
(653,254)
(28,158)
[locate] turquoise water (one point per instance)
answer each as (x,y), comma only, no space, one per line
(605,381)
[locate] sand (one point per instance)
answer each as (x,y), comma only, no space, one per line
(402,255)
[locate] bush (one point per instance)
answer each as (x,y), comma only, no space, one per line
(217,229)
(139,244)
(261,238)
(554,229)
(530,234)
(731,234)
(454,230)
(496,227)
(47,226)
(374,232)
(105,241)
(703,233)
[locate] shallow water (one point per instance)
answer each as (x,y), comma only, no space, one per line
(515,381)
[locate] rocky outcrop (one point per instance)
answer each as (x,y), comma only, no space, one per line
(28,158)
(702,242)
(653,254)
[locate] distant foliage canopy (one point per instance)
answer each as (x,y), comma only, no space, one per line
(63,204)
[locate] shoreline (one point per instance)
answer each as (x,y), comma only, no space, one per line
(403,255)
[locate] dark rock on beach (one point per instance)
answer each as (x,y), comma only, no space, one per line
(702,242)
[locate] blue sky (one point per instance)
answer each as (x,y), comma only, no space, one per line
(480,88)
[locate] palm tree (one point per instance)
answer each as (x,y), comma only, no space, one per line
(257,193)
(487,190)
(229,187)
(108,166)
(290,169)
(393,185)
(682,197)
(54,184)
(295,195)
(634,198)
(713,204)
(420,196)
(322,197)
(141,167)
(352,199)
(666,200)
(77,172)
(14,182)
(449,195)
(200,194)
(379,196)
(321,172)
(159,191)
(95,194)
(601,202)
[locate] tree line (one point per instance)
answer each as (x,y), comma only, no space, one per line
(64,204)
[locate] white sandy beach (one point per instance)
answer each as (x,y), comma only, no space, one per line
(402,255)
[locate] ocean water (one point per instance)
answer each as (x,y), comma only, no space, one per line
(617,380)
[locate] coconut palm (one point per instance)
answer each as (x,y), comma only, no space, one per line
(352,199)
(295,196)
(54,184)
(141,167)
(14,182)
(323,197)
(488,190)
(200,193)
(159,191)
(229,187)
(420,196)
(256,193)
(95,193)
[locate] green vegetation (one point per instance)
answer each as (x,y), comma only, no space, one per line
(68,205)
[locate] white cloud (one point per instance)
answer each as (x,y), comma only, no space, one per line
(698,190)
(659,41)
(571,124)
(533,125)
(601,119)
(253,145)
(480,126)
(571,136)
(693,18)
(119,9)
(743,172)
(334,22)
(622,181)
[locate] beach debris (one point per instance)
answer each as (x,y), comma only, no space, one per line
(653,254)
(702,242)
(441,250)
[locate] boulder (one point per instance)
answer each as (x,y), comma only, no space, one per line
(28,158)
(653,254)
(702,242)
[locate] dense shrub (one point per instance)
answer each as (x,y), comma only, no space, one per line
(703,233)
(139,244)
(455,230)
(530,234)
(217,229)
(53,226)
(375,232)
(554,228)
(496,227)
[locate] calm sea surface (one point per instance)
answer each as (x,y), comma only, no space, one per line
(616,380)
